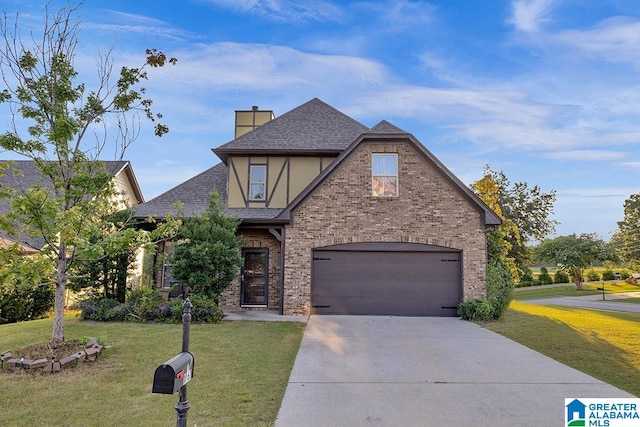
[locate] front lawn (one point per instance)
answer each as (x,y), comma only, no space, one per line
(603,344)
(240,375)
(569,290)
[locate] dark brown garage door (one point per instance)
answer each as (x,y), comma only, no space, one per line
(386,279)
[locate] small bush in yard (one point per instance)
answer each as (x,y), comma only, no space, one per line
(526,279)
(545,278)
(560,277)
(608,275)
(593,276)
(149,306)
(475,310)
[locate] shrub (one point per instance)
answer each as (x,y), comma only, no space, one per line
(608,275)
(592,276)
(544,278)
(560,277)
(475,310)
(97,308)
(204,310)
(624,274)
(526,279)
(149,306)
(499,288)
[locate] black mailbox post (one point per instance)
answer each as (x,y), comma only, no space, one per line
(173,374)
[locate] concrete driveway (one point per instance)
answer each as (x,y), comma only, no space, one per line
(425,371)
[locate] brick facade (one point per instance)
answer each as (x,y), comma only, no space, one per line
(429,210)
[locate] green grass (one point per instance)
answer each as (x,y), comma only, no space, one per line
(602,344)
(535,292)
(240,375)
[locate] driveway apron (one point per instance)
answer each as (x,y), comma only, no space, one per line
(425,371)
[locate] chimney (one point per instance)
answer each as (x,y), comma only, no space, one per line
(248,120)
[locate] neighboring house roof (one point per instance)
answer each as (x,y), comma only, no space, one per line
(24,174)
(193,194)
(313,127)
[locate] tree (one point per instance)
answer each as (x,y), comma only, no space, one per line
(207,257)
(41,87)
(574,253)
(26,291)
(110,272)
(525,214)
(627,239)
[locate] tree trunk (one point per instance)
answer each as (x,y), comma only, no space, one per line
(58,308)
(577,277)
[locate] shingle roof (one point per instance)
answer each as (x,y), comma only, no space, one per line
(193,194)
(386,127)
(312,127)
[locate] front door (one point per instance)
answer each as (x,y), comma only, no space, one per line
(255,277)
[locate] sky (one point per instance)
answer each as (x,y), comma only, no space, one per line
(546,91)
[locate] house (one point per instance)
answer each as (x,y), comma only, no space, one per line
(20,175)
(338,218)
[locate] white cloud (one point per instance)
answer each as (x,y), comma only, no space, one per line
(615,39)
(243,67)
(295,11)
(528,15)
(633,165)
(586,155)
(398,15)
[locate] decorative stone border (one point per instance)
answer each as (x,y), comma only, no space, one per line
(90,353)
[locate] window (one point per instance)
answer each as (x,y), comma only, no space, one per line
(385,175)
(257,182)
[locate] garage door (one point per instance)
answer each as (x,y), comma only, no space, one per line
(386,279)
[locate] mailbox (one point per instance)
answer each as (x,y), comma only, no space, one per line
(172,375)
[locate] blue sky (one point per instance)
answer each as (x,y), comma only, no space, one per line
(547,91)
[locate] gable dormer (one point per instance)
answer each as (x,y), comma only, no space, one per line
(271,164)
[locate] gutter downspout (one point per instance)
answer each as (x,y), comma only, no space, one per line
(282,248)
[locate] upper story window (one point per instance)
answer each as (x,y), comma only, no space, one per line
(257,182)
(385,175)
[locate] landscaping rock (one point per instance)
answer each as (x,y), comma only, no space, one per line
(69,361)
(5,357)
(91,353)
(53,366)
(36,364)
(81,355)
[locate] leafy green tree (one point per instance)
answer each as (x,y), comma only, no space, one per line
(626,240)
(574,253)
(26,288)
(525,212)
(66,136)
(207,256)
(109,273)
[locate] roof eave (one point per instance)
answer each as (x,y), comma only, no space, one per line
(224,154)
